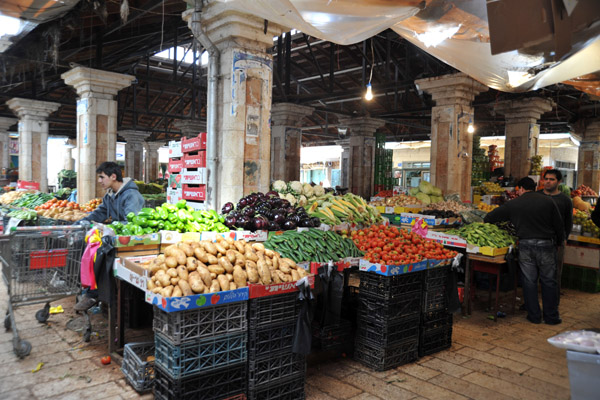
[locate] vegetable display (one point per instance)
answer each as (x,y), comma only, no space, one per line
(313,245)
(448,205)
(25,215)
(397,201)
(8,198)
(188,268)
(333,210)
(31,200)
(427,193)
(483,234)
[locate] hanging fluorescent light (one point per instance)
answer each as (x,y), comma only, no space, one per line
(471,127)
(369,93)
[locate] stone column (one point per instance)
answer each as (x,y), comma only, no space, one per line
(191,128)
(33,138)
(588,164)
(68,161)
(522,132)
(134,153)
(151,163)
(286,140)
(243,99)
(358,157)
(5,123)
(451,144)
(96,123)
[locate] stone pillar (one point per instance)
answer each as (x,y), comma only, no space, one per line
(286,140)
(96,123)
(358,157)
(243,99)
(33,138)
(522,132)
(134,153)
(191,128)
(151,163)
(451,144)
(5,123)
(68,161)
(588,164)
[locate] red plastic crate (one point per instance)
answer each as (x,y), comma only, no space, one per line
(194,193)
(195,161)
(40,259)
(175,165)
(194,144)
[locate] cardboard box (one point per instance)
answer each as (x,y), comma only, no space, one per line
(390,270)
(194,144)
(170,237)
(194,193)
(197,177)
(409,218)
(408,209)
(174,195)
(257,291)
(258,236)
(197,205)
(195,301)
(194,161)
(175,181)
(175,149)
(212,236)
(486,250)
(175,165)
(137,245)
(129,270)
(446,239)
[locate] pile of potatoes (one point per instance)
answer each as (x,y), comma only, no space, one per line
(62,213)
(188,268)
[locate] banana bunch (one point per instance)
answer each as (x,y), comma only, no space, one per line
(333,210)
(486,207)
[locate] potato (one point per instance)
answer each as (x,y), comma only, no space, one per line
(263,271)
(185,287)
(239,276)
(269,263)
(182,272)
(163,278)
(217,269)
(157,290)
(212,260)
(210,248)
(252,272)
(229,276)
(172,272)
(221,249)
(223,282)
(275,260)
(192,263)
(284,267)
(248,248)
(275,276)
(205,275)
(231,255)
(239,246)
(167,291)
(232,286)
(154,268)
(295,275)
(171,262)
(230,241)
(196,283)
(290,262)
(283,276)
(177,292)
(187,249)
(214,287)
(174,251)
(302,272)
(224,262)
(150,284)
(174,280)
(213,275)
(251,264)
(250,255)
(201,254)
(258,247)
(270,253)
(240,259)
(195,245)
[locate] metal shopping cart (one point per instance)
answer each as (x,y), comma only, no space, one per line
(39,265)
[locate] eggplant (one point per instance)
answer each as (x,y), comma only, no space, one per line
(278,218)
(274,226)
(289,225)
(251,198)
(285,203)
(291,210)
(316,221)
(306,223)
(260,223)
(227,207)
(230,221)
(234,213)
(243,222)
(242,203)
(293,217)
(249,211)
(272,193)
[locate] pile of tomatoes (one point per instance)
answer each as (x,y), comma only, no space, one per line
(91,205)
(56,203)
(392,246)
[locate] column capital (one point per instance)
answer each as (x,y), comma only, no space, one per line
(191,127)
(524,110)
(289,114)
(32,109)
(153,146)
(361,126)
(133,136)
(451,89)
(89,82)
(6,123)
(225,25)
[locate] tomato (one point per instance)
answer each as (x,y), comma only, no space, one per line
(105,360)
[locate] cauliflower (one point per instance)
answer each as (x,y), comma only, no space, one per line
(302,200)
(307,190)
(279,186)
(290,197)
(295,187)
(319,190)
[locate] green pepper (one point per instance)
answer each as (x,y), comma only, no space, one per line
(152,223)
(181,204)
(179,226)
(169,207)
(169,226)
(148,230)
(189,208)
(163,214)
(195,227)
(182,215)
(147,210)
(203,227)
(130,216)
(172,218)
(141,221)
(222,219)
(161,225)
(143,215)
(213,215)
(221,228)
(197,216)
(126,231)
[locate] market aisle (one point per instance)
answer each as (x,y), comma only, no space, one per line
(506,360)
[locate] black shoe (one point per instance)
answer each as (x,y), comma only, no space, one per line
(534,321)
(553,321)
(522,307)
(85,303)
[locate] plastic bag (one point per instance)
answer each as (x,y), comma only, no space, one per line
(585,341)
(105,258)
(303,333)
(331,299)
(88,278)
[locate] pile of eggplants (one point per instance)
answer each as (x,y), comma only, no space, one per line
(259,211)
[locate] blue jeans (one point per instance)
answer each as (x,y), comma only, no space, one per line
(537,259)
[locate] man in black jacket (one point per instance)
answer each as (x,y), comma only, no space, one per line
(596,214)
(539,228)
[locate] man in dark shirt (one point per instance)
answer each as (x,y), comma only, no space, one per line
(539,228)
(596,214)
(552,178)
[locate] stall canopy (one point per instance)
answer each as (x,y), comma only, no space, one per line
(508,45)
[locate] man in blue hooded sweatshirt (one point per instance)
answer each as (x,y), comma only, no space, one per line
(122,197)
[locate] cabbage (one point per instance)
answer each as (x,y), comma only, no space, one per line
(279,186)
(425,187)
(307,190)
(413,191)
(436,191)
(565,189)
(319,190)
(424,198)
(295,187)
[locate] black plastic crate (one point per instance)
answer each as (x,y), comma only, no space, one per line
(434,320)
(200,356)
(386,333)
(390,287)
(273,309)
(436,276)
(436,340)
(331,337)
(270,339)
(276,368)
(383,358)
(435,298)
(402,306)
(219,384)
(190,325)
(290,389)
(137,370)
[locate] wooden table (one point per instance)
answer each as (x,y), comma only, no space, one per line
(491,265)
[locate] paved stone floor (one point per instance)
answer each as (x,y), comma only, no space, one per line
(510,359)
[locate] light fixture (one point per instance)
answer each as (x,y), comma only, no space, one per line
(369,93)
(471,127)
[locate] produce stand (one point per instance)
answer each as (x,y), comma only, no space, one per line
(581,269)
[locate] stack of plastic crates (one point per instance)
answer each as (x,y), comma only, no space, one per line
(436,321)
(389,311)
(274,372)
(138,365)
(201,353)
